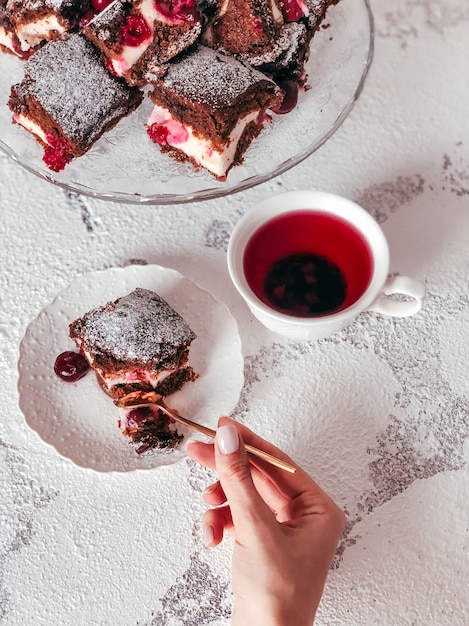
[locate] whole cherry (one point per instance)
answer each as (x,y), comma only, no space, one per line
(290,99)
(158,133)
(71,366)
(138,416)
(87,17)
(100,5)
(292,10)
(56,155)
(135,31)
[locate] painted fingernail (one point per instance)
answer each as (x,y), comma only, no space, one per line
(208,536)
(227,439)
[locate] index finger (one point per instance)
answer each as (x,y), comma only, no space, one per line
(290,485)
(204,453)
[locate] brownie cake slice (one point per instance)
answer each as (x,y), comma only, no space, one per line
(272,36)
(208,109)
(133,33)
(68,99)
(136,344)
(36,21)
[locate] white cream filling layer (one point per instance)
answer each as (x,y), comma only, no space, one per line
(130,377)
(30,35)
(6,40)
(30,126)
(200,149)
(223,8)
(276,12)
(131,54)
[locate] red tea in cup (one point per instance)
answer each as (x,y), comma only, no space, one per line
(305,264)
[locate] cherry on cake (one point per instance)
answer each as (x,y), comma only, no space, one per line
(135,33)
(135,344)
(68,99)
(148,428)
(37,21)
(208,108)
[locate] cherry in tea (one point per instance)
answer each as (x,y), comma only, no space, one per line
(307,263)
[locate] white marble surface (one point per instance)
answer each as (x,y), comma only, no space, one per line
(378,414)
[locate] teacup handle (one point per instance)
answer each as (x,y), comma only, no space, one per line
(399,285)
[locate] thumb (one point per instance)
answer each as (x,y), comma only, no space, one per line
(248,509)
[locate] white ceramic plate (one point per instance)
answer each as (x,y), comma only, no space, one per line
(78,419)
(125,166)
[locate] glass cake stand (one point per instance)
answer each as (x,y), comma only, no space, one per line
(125,166)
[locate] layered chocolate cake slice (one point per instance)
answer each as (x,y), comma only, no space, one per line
(68,99)
(208,109)
(134,33)
(135,344)
(37,21)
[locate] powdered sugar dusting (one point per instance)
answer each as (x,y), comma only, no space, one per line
(103,23)
(318,7)
(140,327)
(37,5)
(213,79)
(285,49)
(72,84)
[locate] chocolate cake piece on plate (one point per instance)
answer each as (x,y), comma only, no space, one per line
(303,19)
(135,344)
(133,33)
(273,36)
(247,27)
(37,21)
(208,108)
(68,99)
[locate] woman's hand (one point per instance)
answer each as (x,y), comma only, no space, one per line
(285,528)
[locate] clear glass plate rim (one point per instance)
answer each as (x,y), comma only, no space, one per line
(213,193)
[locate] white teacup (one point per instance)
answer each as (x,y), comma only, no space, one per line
(307,263)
